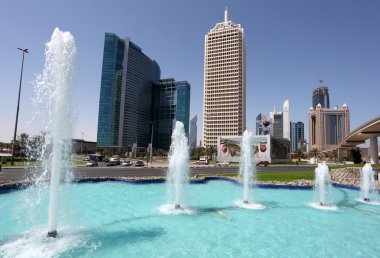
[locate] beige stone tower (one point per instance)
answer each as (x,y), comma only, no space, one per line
(224,100)
(328,127)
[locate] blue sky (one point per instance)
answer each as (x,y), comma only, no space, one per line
(289,42)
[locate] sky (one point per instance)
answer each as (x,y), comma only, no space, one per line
(290,46)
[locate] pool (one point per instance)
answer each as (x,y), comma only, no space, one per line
(118,219)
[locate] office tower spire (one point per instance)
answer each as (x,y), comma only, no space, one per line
(226,17)
(224,82)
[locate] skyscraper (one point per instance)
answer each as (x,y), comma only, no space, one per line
(259,125)
(321,96)
(298,134)
(328,127)
(171,104)
(224,104)
(286,119)
(193,132)
(276,124)
(126,94)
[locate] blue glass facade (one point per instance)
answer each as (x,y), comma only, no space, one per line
(321,96)
(126,94)
(171,104)
(109,101)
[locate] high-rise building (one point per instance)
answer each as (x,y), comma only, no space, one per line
(259,125)
(328,127)
(286,119)
(224,110)
(276,124)
(171,104)
(321,96)
(193,132)
(126,94)
(298,135)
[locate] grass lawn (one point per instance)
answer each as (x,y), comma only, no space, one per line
(279,176)
(20,163)
(285,176)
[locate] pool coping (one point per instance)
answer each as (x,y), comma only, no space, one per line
(296,185)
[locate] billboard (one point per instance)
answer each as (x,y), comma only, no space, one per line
(229,148)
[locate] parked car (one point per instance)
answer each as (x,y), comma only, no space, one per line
(126,163)
(112,163)
(202,160)
(262,163)
(86,159)
(92,163)
(139,163)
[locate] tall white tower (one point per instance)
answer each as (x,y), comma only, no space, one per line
(224,100)
(286,119)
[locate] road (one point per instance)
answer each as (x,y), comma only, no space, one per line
(20,174)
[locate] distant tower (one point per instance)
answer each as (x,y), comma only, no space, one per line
(321,96)
(193,132)
(286,120)
(224,103)
(259,125)
(298,135)
(328,127)
(276,124)
(171,104)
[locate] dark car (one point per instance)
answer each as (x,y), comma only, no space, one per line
(92,163)
(262,163)
(139,163)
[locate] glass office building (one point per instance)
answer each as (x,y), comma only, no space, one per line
(321,96)
(297,135)
(126,94)
(171,104)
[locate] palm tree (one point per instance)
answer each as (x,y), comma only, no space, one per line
(298,155)
(314,153)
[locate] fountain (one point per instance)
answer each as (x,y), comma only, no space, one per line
(367,183)
(53,91)
(323,188)
(178,170)
(247,172)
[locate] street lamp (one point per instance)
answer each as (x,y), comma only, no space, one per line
(18,104)
(81,146)
(151,144)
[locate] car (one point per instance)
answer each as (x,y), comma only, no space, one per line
(223,164)
(92,163)
(139,163)
(126,163)
(112,163)
(86,159)
(263,163)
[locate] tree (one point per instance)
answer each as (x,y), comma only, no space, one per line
(356,156)
(314,153)
(298,155)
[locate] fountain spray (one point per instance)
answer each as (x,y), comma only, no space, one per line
(322,183)
(178,164)
(246,170)
(54,92)
(367,182)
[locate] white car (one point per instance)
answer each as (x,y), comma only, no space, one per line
(126,163)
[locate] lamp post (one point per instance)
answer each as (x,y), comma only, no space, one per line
(151,144)
(81,146)
(18,104)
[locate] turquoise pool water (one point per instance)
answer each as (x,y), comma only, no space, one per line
(116,219)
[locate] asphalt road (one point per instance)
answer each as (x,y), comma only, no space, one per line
(20,174)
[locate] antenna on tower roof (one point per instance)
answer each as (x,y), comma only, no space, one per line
(226,16)
(319,78)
